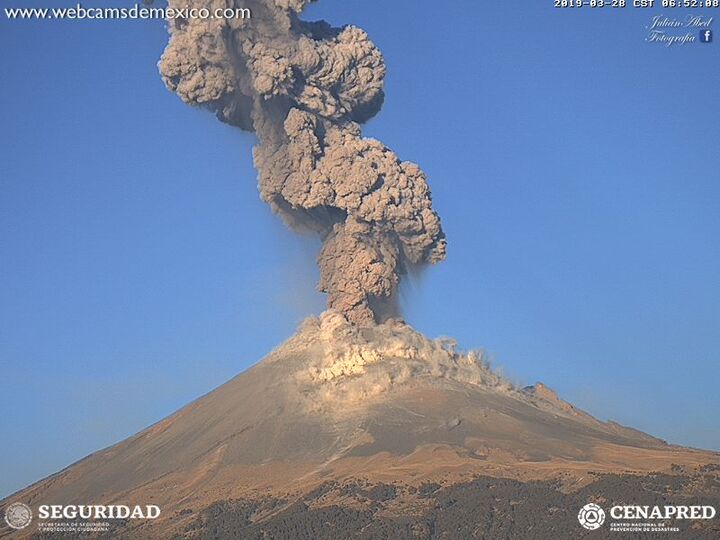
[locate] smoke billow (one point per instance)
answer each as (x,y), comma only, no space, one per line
(339,363)
(304,88)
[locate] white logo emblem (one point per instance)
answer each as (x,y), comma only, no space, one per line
(591,516)
(18,515)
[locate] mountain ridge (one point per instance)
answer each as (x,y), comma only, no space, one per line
(341,405)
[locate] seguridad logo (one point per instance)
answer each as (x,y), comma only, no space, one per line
(18,515)
(115,511)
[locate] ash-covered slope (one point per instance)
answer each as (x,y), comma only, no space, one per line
(336,403)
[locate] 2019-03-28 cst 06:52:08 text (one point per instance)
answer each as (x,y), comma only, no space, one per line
(641,4)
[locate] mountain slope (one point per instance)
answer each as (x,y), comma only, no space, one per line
(338,406)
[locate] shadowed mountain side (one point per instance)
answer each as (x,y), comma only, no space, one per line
(381,404)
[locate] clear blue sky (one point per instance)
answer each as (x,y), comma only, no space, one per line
(575,166)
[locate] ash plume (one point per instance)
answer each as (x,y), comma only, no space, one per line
(346,367)
(304,89)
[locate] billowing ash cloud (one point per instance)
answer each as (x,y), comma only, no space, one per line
(304,88)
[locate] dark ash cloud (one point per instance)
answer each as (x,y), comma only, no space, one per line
(304,89)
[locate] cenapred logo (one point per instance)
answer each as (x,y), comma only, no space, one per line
(18,515)
(591,516)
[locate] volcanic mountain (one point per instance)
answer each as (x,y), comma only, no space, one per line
(378,432)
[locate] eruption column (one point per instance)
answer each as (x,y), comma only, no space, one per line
(304,89)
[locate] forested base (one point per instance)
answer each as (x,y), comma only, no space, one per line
(483,508)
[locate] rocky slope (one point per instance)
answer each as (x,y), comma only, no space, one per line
(370,430)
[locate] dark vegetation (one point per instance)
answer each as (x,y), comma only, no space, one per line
(483,508)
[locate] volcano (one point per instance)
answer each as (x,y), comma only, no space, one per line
(378,432)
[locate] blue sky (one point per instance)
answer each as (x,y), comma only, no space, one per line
(575,167)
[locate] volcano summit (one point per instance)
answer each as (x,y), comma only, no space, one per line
(366,432)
